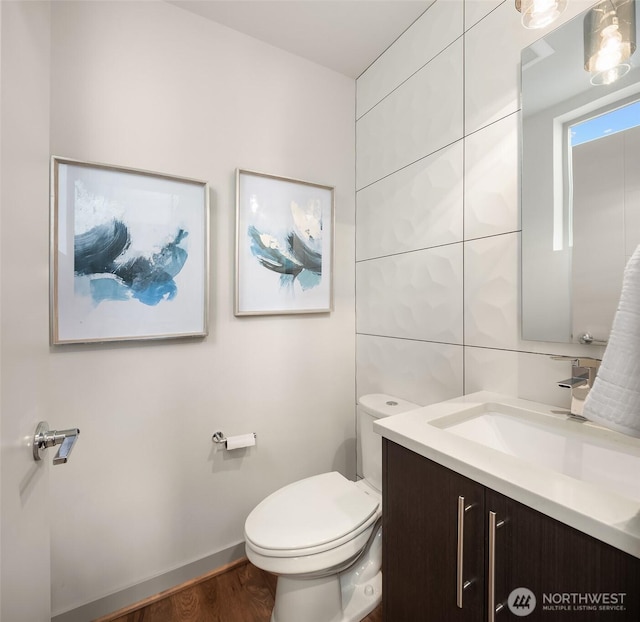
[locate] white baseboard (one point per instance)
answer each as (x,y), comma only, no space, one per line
(140,591)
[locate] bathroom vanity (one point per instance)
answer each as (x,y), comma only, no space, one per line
(461,532)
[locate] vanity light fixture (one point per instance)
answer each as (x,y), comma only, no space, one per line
(540,13)
(609,40)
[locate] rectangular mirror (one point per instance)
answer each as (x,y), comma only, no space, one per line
(580,182)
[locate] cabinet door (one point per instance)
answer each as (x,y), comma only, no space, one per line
(420,541)
(573,577)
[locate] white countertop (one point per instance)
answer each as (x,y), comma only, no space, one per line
(593,509)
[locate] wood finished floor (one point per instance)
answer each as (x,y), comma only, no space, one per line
(243,593)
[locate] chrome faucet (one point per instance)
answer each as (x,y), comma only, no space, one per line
(583,375)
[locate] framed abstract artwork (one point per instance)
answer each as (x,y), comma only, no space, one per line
(284,245)
(129,254)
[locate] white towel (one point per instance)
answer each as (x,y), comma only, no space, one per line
(614,400)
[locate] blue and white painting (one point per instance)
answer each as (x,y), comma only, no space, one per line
(131,255)
(284,245)
(120,265)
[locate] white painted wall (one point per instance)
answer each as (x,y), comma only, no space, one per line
(148,85)
(437,219)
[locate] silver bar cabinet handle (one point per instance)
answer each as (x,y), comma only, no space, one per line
(491,583)
(461,584)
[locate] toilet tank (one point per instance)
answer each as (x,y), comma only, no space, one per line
(369,458)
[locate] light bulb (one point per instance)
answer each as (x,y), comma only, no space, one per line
(609,53)
(541,13)
(609,40)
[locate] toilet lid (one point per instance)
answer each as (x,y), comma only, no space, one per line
(311,512)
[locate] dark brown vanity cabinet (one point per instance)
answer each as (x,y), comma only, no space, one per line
(420,536)
(449,541)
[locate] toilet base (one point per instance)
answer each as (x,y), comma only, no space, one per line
(363,599)
(346,596)
(328,599)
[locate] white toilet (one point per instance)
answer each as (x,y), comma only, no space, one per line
(322,535)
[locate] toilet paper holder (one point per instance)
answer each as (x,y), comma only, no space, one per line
(219,437)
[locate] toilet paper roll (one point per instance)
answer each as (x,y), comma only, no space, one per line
(242,440)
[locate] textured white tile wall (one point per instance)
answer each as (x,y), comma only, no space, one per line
(417,46)
(417,207)
(492,66)
(475,10)
(406,126)
(490,187)
(414,295)
(423,372)
(491,292)
(438,223)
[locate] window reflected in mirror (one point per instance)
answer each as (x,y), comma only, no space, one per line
(580,187)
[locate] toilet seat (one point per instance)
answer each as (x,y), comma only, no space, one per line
(311,516)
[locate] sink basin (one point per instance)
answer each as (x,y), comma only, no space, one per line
(576,472)
(579,450)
